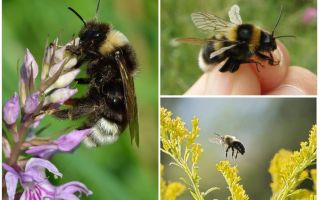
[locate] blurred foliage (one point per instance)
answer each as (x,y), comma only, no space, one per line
(120,170)
(289,169)
(170,190)
(179,64)
(263,125)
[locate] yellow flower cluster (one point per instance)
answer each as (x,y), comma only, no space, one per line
(288,169)
(179,144)
(170,191)
(231,176)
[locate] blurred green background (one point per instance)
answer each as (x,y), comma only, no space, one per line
(263,125)
(120,170)
(179,64)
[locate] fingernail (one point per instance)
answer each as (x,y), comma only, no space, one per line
(277,54)
(290,90)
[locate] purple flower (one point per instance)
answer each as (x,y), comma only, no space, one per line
(60,95)
(64,80)
(66,191)
(6,148)
(65,143)
(36,185)
(32,102)
(29,66)
(309,15)
(11,110)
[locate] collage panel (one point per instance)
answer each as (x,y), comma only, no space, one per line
(53,108)
(238,48)
(238,148)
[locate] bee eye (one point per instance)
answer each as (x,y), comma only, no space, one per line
(97,35)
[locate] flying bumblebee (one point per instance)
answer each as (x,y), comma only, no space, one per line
(233,42)
(110,102)
(230,142)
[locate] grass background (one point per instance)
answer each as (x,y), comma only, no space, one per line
(179,65)
(120,170)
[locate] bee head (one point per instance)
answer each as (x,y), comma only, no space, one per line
(267,42)
(92,34)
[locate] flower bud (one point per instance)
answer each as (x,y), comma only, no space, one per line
(60,95)
(65,79)
(11,110)
(47,60)
(29,66)
(32,102)
(55,68)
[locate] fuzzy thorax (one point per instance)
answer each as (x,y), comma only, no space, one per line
(114,39)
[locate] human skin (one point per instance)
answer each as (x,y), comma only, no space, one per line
(281,79)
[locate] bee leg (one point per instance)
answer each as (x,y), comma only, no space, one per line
(232,152)
(227,151)
(274,62)
(231,66)
(77,111)
(269,58)
(237,154)
(82,80)
(255,62)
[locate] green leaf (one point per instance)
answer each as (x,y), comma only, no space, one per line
(210,190)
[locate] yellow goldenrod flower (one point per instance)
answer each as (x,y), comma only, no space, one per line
(283,156)
(194,132)
(179,144)
(170,191)
(288,169)
(196,151)
(313,173)
(231,176)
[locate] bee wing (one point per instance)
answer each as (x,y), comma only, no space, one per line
(196,41)
(130,99)
(221,50)
(234,15)
(215,140)
(208,22)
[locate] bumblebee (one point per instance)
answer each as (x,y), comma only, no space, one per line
(110,102)
(231,142)
(233,42)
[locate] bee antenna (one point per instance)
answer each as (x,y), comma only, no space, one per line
(78,15)
(97,9)
(281,36)
(277,20)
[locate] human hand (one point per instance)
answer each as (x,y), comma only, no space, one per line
(271,80)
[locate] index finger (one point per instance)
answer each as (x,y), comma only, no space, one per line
(270,76)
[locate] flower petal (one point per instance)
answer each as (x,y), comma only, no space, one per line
(35,167)
(309,14)
(11,110)
(65,79)
(8,168)
(70,188)
(6,147)
(55,68)
(11,183)
(43,151)
(60,95)
(71,140)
